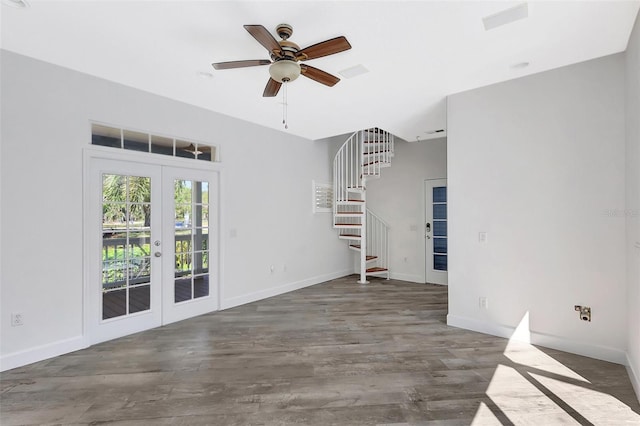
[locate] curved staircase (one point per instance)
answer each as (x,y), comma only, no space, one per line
(360,159)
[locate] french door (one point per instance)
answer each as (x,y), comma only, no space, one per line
(435,231)
(152,242)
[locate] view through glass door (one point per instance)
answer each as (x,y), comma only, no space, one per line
(124,266)
(152,229)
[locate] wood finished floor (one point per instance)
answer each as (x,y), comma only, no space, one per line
(337,353)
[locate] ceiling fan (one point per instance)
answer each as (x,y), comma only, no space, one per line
(285,57)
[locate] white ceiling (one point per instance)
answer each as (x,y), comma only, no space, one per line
(417,52)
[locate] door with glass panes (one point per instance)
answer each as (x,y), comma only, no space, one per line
(151,230)
(435,232)
(190,255)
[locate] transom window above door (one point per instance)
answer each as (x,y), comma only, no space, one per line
(133,140)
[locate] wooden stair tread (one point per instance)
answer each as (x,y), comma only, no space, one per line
(349,224)
(349,235)
(376,162)
(377,269)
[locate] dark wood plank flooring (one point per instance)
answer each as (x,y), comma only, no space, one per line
(337,353)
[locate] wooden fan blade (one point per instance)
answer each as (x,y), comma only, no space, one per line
(264,37)
(272,88)
(325,48)
(240,64)
(318,75)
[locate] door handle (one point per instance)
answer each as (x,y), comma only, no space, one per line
(157,254)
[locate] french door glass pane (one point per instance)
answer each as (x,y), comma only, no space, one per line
(440,262)
(440,194)
(191,240)
(440,228)
(440,211)
(440,245)
(126,244)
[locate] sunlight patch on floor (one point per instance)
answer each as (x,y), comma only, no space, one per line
(518,399)
(485,417)
(595,406)
(540,389)
(520,351)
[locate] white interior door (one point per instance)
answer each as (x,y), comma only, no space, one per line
(151,235)
(124,276)
(436,241)
(190,252)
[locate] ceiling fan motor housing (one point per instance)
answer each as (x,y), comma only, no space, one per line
(284,31)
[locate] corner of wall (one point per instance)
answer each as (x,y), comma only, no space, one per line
(634,376)
(40,353)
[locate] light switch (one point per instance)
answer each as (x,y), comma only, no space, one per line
(482,237)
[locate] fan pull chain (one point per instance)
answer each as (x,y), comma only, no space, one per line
(284,105)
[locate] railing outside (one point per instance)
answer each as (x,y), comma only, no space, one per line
(117,263)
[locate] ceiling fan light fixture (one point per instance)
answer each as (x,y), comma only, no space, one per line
(193,150)
(284,71)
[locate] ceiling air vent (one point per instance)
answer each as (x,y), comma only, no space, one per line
(506,16)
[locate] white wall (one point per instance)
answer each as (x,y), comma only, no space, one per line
(633,201)
(538,163)
(398,198)
(45,127)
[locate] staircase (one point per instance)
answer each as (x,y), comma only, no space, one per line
(360,159)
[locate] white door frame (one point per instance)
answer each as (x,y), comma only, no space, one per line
(91,238)
(431,275)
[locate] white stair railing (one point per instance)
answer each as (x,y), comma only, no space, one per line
(346,173)
(377,150)
(361,157)
(378,244)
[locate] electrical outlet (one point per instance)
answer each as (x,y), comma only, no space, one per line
(17,319)
(585,312)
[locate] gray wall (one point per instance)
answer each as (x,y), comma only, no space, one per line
(539,164)
(266,187)
(632,211)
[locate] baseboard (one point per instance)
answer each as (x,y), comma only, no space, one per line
(634,376)
(39,353)
(281,289)
(407,277)
(603,353)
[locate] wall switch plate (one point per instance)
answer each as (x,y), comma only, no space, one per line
(17,319)
(482,237)
(484,302)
